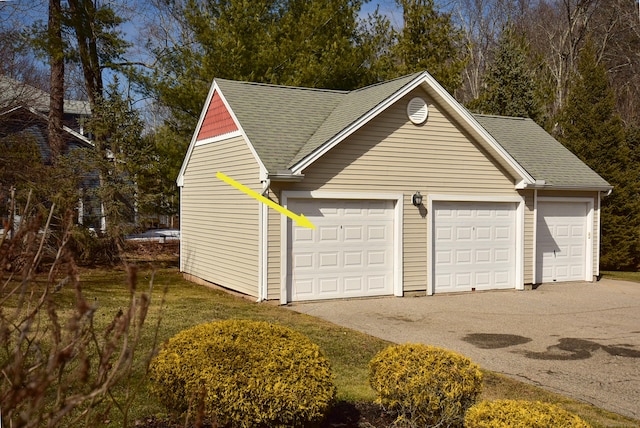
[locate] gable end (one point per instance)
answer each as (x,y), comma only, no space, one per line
(217,121)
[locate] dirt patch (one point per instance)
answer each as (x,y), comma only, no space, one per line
(580,349)
(495,341)
(343,415)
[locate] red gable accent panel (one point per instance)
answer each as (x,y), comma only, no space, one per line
(217,121)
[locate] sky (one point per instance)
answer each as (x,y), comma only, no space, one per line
(21,14)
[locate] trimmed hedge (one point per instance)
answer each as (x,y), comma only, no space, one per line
(425,385)
(244,373)
(520,414)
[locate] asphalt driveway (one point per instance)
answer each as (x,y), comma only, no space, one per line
(578,339)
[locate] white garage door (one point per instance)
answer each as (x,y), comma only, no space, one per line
(561,246)
(474,246)
(348,254)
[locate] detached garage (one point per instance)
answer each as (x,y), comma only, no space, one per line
(407,191)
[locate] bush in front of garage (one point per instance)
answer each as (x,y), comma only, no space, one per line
(244,373)
(424,385)
(520,414)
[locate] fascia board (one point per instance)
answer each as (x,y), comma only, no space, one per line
(263,169)
(315,155)
(192,143)
(215,88)
(79,136)
(43,117)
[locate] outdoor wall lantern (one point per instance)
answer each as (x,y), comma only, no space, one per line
(416,199)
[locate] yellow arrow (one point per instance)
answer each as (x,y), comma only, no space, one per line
(300,220)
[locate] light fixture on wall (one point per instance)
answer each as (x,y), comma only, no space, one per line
(416,199)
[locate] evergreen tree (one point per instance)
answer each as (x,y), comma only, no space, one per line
(288,42)
(120,157)
(509,85)
(591,128)
(158,188)
(429,41)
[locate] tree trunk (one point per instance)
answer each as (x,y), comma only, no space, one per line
(56,99)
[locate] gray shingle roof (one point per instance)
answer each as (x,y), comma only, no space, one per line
(352,107)
(541,155)
(286,124)
(278,120)
(14,93)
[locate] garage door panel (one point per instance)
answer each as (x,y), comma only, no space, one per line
(303,235)
(377,233)
(503,279)
(378,258)
(353,259)
(303,261)
(328,260)
(474,245)
(463,257)
(351,249)
(326,234)
(463,233)
(504,256)
(483,233)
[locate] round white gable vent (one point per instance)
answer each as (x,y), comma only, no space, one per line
(417,111)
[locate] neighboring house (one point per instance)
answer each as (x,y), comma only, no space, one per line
(17,94)
(24,113)
(503,204)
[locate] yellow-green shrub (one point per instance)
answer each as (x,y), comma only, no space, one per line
(244,373)
(520,414)
(425,385)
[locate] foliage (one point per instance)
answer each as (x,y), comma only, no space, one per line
(509,85)
(158,188)
(59,368)
(120,156)
(247,373)
(292,42)
(425,385)
(186,304)
(520,414)
(591,128)
(429,41)
(26,175)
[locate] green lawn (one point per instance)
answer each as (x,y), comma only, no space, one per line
(626,276)
(186,304)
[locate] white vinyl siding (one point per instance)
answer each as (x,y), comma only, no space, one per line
(220,224)
(390,154)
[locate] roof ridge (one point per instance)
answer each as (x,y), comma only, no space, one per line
(385,82)
(345,99)
(498,116)
(272,85)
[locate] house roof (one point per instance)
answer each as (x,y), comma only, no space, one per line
(28,121)
(540,154)
(290,127)
(278,120)
(14,93)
